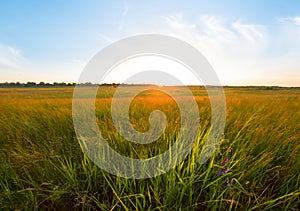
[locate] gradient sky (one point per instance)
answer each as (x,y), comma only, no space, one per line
(247,43)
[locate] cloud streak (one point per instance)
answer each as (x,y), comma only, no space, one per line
(295,20)
(10,57)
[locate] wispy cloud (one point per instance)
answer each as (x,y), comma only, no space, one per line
(177,21)
(10,57)
(214,27)
(252,32)
(295,20)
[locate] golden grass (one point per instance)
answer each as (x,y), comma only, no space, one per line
(43,167)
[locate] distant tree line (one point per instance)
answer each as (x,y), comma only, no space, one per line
(54,84)
(34,84)
(63,84)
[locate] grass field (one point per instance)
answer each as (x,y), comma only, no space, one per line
(256,167)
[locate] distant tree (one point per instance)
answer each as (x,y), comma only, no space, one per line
(11,84)
(71,84)
(30,84)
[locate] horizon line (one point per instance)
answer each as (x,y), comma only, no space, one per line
(41,83)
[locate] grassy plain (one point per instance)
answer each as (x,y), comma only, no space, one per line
(43,167)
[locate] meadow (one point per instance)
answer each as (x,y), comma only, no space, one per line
(256,166)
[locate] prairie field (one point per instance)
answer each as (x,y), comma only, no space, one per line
(255,167)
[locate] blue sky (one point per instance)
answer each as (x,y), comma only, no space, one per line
(254,42)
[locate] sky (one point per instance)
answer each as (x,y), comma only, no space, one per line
(247,43)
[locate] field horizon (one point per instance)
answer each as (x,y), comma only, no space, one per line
(17,84)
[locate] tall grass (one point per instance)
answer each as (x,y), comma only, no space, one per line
(42,165)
